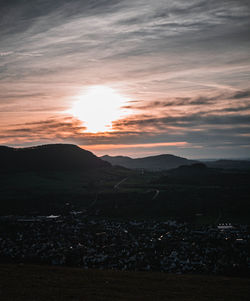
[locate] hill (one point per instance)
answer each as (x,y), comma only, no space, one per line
(201,174)
(51,157)
(153,163)
(26,282)
(229,164)
(41,180)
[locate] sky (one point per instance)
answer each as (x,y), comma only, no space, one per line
(127,77)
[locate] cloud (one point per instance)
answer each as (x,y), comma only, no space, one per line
(184,121)
(45,129)
(102,147)
(200,100)
(184,64)
(6,53)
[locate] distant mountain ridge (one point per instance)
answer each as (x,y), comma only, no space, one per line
(229,164)
(51,157)
(160,162)
(69,157)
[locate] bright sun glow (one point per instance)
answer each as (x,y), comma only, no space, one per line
(97,107)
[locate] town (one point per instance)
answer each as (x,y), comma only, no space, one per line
(137,245)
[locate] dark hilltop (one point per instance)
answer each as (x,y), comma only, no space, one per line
(52,157)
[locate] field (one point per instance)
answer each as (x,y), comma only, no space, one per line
(43,283)
(207,197)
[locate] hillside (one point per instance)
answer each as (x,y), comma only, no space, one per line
(52,157)
(200,174)
(160,162)
(41,180)
(229,164)
(40,283)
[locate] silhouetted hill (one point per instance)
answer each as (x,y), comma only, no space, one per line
(200,174)
(51,157)
(161,162)
(193,169)
(229,164)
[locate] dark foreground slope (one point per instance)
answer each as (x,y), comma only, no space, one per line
(26,283)
(161,162)
(52,157)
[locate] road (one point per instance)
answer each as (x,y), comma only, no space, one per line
(156,194)
(116,186)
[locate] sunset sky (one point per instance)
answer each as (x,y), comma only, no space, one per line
(131,77)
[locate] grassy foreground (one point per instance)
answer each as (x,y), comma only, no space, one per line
(40,283)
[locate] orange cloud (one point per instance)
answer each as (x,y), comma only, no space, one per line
(142,145)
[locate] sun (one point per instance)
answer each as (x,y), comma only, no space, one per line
(98,107)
